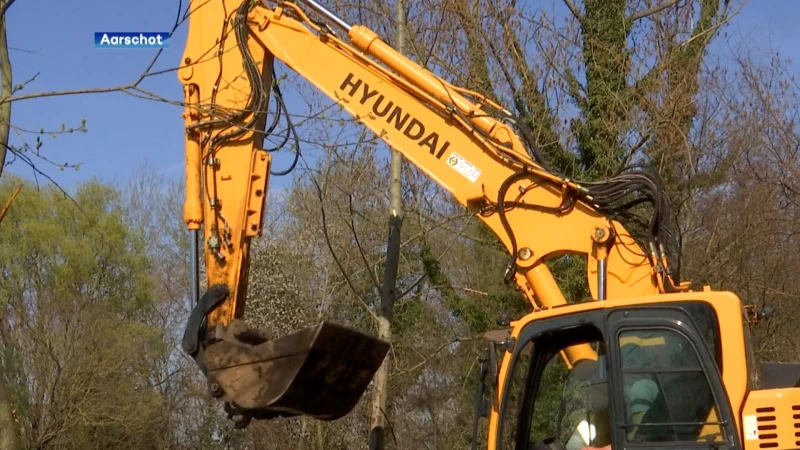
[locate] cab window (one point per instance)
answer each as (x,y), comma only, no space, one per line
(572,407)
(667,397)
(707,324)
(548,402)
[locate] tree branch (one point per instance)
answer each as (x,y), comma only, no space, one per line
(8,202)
(434,353)
(64,93)
(335,257)
(37,171)
(530,103)
(573,9)
(7,4)
(6,87)
(352,226)
(651,11)
(124,87)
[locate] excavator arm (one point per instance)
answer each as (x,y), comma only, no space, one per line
(468,144)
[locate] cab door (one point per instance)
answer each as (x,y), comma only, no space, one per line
(666,385)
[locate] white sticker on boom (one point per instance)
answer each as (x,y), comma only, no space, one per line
(463,167)
(750,428)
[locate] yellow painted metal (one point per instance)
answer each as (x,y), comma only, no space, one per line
(771,419)
(193,208)
(726,305)
(410,109)
(234,175)
(442,129)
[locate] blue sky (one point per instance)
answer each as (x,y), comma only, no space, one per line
(56,39)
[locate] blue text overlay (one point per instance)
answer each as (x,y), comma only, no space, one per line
(130,40)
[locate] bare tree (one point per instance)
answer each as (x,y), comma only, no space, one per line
(6,81)
(388,291)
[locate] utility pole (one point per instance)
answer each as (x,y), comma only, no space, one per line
(377,433)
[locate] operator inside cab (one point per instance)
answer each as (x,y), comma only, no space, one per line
(573,405)
(662,396)
(640,392)
(644,354)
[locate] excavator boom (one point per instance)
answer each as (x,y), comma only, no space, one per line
(465,142)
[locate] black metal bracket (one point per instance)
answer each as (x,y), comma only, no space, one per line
(192,335)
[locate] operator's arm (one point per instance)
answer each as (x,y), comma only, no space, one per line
(639,397)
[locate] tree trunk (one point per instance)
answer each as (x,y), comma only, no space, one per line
(377,432)
(378,423)
(5,86)
(8,426)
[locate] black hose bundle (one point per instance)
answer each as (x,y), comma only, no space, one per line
(618,197)
(245,119)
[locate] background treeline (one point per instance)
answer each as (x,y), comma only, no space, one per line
(93,293)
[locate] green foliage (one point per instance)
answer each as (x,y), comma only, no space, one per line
(75,292)
(475,317)
(86,252)
(605,31)
(408,315)
(570,272)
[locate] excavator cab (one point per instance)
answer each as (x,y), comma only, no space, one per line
(659,379)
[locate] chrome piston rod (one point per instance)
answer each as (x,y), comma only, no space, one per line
(328,14)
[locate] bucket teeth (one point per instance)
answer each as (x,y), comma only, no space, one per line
(321,371)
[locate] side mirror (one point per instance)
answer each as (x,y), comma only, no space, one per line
(753,317)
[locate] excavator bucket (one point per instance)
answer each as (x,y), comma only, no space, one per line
(321,371)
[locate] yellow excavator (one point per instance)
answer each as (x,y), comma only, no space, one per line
(649,364)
